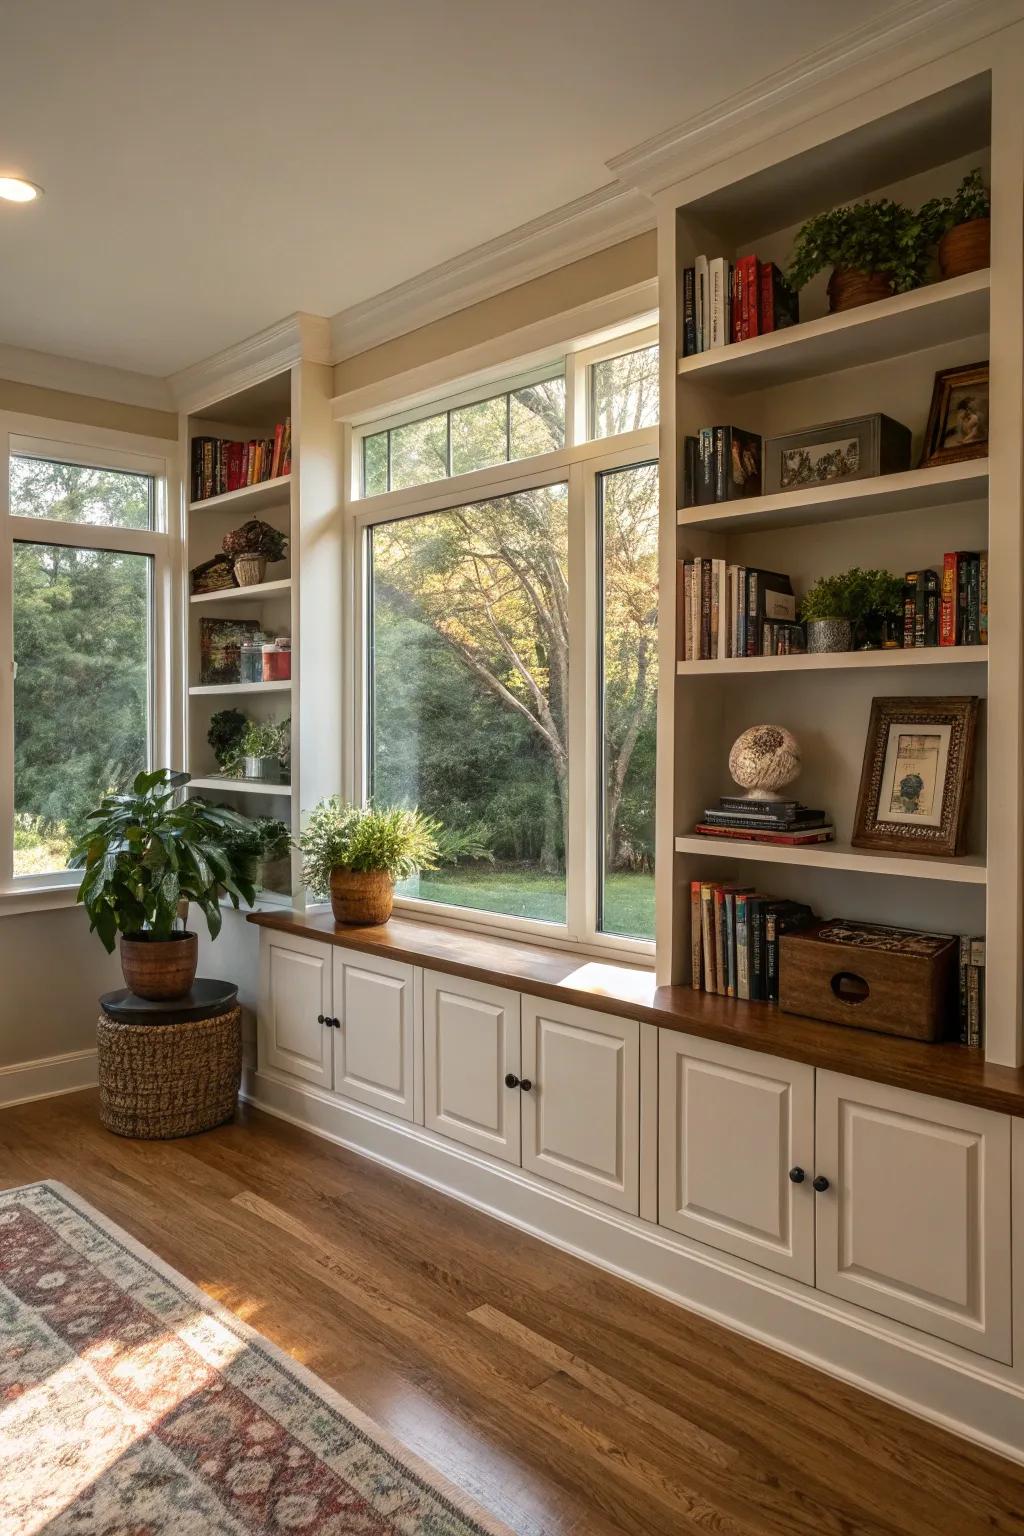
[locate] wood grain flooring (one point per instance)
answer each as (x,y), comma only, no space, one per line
(566,1401)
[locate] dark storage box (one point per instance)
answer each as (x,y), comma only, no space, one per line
(835,452)
(893,980)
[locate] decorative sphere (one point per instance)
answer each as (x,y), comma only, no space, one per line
(764,760)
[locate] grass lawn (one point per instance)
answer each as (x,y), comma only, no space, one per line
(628,899)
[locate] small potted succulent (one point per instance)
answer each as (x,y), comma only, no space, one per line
(961,226)
(874,249)
(260,751)
(252,547)
(856,609)
(147,854)
(354,854)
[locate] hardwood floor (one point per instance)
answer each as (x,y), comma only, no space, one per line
(566,1401)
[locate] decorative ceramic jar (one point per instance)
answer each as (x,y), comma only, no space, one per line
(829,635)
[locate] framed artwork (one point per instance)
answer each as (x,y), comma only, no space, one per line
(958,419)
(220,644)
(854,449)
(916,778)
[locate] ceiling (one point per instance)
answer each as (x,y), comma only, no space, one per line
(213,165)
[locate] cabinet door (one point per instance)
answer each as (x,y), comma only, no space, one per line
(915,1223)
(470,1045)
(295,999)
(733,1124)
(581,1113)
(374,1047)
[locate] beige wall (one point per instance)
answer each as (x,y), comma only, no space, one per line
(608,271)
(86,410)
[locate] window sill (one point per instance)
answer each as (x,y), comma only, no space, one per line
(37,898)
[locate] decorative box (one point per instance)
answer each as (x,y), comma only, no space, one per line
(893,980)
(836,451)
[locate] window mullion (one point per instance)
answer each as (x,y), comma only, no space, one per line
(581,864)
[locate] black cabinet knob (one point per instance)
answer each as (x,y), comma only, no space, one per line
(511,1081)
(322,1018)
(797,1175)
(820,1183)
(526,1085)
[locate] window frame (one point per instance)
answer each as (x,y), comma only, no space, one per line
(580,464)
(98,448)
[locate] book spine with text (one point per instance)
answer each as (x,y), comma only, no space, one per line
(696,940)
(689,313)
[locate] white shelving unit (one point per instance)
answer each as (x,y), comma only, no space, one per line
(880,357)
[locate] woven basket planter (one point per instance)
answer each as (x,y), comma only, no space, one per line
(163,1080)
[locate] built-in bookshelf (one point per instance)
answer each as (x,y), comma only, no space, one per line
(880,357)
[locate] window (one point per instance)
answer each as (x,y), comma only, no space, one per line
(503,661)
(84,562)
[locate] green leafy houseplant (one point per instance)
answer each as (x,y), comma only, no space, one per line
(866,600)
(227,727)
(260,739)
(872,238)
(255,843)
(971,200)
(143,854)
(355,854)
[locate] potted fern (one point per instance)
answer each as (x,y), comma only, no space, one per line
(874,249)
(961,226)
(251,548)
(354,854)
(260,751)
(856,608)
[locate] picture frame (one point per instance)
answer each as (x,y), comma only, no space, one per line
(835,452)
(916,777)
(957,417)
(220,643)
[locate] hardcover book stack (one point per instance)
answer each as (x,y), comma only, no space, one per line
(950,608)
(725,301)
(786,823)
(721,464)
(734,610)
(221,464)
(735,933)
(972,991)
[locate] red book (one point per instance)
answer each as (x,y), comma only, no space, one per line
(948,602)
(275,463)
(736,321)
(780,839)
(751,296)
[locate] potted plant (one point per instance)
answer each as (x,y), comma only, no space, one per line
(874,248)
(144,853)
(961,226)
(251,548)
(227,727)
(260,846)
(354,854)
(855,607)
(260,751)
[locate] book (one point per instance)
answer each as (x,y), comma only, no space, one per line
(983,598)
(696,944)
(718,302)
(705,476)
(926,608)
(780,917)
(972,628)
(700,278)
(743,944)
(689,303)
(750,299)
(737,462)
(690,471)
(720,940)
(707,933)
(222,464)
(909,608)
(779,303)
(949,605)
(755,947)
(760,807)
(801,822)
(766,590)
(795,839)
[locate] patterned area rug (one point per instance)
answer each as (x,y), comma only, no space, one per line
(133,1405)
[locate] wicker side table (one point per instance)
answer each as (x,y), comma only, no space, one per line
(169,1069)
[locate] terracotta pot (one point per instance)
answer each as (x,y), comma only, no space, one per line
(159,968)
(965,248)
(363,899)
(250,570)
(847,288)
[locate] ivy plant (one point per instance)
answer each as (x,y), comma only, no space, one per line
(971,200)
(365,839)
(880,236)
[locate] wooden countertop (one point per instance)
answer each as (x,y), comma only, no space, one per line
(946,1071)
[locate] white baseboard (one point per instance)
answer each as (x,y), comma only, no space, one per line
(972,1397)
(44,1079)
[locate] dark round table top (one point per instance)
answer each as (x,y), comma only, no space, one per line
(206,999)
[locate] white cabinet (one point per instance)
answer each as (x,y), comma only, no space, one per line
(915,1223)
(581,1111)
(374,1046)
(470,1047)
(734,1125)
(295,1035)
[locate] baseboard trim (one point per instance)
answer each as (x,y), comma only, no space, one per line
(963,1395)
(46,1078)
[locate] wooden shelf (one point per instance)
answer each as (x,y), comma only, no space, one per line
(907,491)
(255,594)
(241,786)
(907,322)
(197,690)
(968,870)
(250,498)
(862,661)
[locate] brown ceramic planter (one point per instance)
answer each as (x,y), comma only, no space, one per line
(361,899)
(847,289)
(159,968)
(966,248)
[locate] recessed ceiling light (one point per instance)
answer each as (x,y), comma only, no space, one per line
(15,189)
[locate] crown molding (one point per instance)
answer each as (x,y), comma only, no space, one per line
(908,35)
(299,338)
(45,370)
(589,224)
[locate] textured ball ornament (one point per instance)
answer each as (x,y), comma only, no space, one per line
(764,760)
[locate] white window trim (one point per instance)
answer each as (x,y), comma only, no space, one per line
(102,448)
(579,464)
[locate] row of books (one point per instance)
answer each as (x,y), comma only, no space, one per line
(951,609)
(972,991)
(786,823)
(721,464)
(728,610)
(221,464)
(735,933)
(725,301)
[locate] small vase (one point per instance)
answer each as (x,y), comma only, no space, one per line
(362,899)
(266,768)
(965,248)
(250,570)
(159,969)
(824,635)
(847,288)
